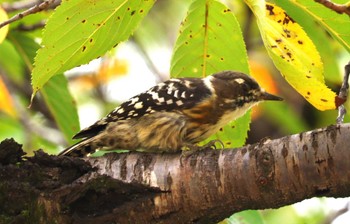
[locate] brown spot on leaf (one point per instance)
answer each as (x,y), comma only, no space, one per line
(83,21)
(300,42)
(308,93)
(84,48)
(324,100)
(309,77)
(270,9)
(132,12)
(221,59)
(287,32)
(278,40)
(141,10)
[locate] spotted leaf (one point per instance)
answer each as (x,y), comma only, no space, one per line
(80,31)
(294,54)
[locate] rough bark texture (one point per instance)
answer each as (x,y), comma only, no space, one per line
(204,187)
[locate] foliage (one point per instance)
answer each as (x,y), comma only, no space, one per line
(306,41)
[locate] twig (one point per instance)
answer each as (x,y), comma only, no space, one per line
(343,94)
(37,8)
(339,8)
(19,5)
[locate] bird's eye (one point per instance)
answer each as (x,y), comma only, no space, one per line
(245,87)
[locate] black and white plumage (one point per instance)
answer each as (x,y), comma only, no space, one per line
(173,114)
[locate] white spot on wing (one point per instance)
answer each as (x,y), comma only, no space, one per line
(120,111)
(138,105)
(155,95)
(176,93)
(187,83)
(131,113)
(170,101)
(133,100)
(179,102)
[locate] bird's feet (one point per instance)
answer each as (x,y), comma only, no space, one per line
(190,149)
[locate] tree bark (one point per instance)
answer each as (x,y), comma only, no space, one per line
(204,187)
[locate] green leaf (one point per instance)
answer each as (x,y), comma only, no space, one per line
(245,217)
(12,64)
(56,93)
(62,106)
(211,41)
(80,31)
(338,25)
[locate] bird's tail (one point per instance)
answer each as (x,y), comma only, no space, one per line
(80,149)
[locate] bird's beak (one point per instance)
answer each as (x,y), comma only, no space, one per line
(268,96)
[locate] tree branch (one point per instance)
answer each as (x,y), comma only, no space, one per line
(32,10)
(169,188)
(339,8)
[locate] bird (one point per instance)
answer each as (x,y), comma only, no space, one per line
(172,115)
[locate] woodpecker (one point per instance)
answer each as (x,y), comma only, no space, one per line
(172,115)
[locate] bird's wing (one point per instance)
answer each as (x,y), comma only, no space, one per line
(172,95)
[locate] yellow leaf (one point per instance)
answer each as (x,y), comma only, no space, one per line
(3,30)
(6,104)
(295,55)
(112,68)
